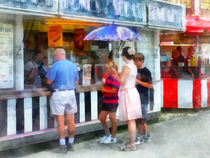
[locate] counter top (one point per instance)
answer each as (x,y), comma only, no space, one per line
(94,87)
(184,66)
(28,93)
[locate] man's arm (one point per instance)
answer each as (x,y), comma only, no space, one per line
(144,84)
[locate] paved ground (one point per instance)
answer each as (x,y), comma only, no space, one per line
(183,137)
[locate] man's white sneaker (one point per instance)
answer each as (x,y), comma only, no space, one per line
(110,140)
(114,140)
(102,140)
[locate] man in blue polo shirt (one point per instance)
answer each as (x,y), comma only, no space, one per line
(63,76)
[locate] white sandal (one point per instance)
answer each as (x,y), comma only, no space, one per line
(127,147)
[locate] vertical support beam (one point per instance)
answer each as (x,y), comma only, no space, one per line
(94,105)
(116,54)
(197,7)
(50,118)
(11,117)
(197,46)
(20,115)
(43,112)
(3,118)
(35,114)
(157,80)
(19,62)
(82,107)
(204,93)
(27,114)
(76,115)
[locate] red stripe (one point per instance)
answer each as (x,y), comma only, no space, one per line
(110,101)
(208,89)
(196,93)
(115,83)
(170,93)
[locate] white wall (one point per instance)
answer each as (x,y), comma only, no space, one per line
(149,46)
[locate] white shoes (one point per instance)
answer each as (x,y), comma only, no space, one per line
(139,140)
(103,139)
(108,140)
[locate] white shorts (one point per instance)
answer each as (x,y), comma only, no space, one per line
(63,102)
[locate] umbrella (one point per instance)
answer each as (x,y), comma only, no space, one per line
(113,33)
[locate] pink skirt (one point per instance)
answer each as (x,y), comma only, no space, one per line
(129,104)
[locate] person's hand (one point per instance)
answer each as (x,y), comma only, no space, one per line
(103,90)
(115,72)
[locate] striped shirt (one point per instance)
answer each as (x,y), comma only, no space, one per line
(111,99)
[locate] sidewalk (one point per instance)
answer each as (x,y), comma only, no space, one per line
(184,137)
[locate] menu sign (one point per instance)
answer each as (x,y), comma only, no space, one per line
(6,56)
(205,8)
(205,4)
(165,15)
(123,10)
(189,4)
(55,36)
(49,6)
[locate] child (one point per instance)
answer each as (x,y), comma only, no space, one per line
(143,83)
(110,104)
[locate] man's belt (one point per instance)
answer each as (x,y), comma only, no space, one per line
(60,90)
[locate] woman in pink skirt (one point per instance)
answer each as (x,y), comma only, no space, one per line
(129,100)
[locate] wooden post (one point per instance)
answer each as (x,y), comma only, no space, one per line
(18,49)
(157,79)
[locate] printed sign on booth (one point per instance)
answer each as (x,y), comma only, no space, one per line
(55,36)
(124,10)
(165,15)
(205,8)
(6,56)
(189,4)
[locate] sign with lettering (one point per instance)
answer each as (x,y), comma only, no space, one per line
(205,4)
(6,56)
(165,15)
(124,10)
(189,4)
(55,36)
(186,3)
(205,8)
(49,6)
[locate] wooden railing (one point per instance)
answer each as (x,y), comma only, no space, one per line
(29,112)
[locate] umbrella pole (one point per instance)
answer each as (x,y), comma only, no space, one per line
(110,46)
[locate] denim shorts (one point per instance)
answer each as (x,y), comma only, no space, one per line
(144,109)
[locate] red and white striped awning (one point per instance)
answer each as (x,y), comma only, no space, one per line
(185,93)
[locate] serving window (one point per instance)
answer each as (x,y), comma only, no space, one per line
(184,56)
(88,56)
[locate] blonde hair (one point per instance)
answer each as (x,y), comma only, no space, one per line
(111,64)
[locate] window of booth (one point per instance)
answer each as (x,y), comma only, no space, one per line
(185,56)
(89,56)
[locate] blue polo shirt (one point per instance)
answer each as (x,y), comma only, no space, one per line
(63,75)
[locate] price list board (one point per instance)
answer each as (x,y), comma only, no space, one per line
(6,56)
